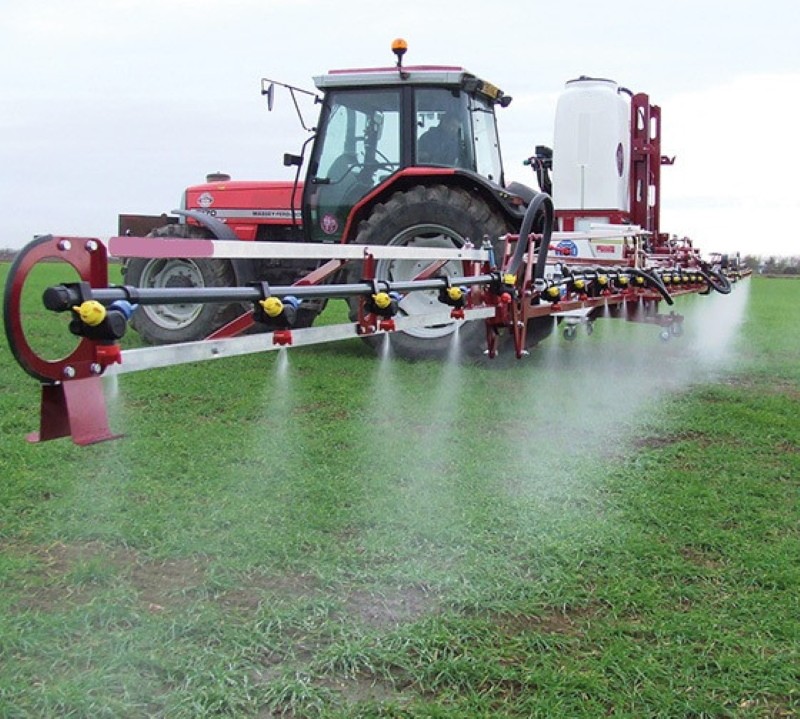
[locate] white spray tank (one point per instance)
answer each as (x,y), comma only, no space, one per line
(591,151)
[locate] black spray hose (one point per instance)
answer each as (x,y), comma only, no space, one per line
(656,282)
(716,281)
(540,202)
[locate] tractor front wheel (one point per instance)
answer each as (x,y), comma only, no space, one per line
(179,322)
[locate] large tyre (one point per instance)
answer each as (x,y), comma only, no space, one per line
(167,324)
(427,216)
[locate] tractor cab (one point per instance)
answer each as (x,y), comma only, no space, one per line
(379,127)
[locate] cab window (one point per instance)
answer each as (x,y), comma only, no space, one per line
(443,132)
(487,145)
(362,131)
(360,148)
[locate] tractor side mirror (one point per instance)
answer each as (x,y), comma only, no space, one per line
(290,160)
(269,92)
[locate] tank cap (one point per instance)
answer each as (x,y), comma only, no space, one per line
(587,78)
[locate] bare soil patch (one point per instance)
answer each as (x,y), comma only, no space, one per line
(567,622)
(668,440)
(387,609)
(72,574)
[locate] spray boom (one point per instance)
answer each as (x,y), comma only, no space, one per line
(509,296)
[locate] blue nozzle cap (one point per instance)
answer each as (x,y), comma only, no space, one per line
(123,306)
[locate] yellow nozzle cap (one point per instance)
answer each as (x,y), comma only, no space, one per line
(382,300)
(579,284)
(454,293)
(602,279)
(272,306)
(91,312)
(509,279)
(622,280)
(553,292)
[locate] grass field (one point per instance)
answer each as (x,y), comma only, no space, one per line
(610,527)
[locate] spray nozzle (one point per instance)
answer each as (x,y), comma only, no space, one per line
(276,311)
(383,304)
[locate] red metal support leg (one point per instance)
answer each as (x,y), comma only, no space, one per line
(74,409)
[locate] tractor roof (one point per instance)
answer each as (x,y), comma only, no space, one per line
(439,75)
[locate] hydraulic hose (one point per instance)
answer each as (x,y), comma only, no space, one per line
(716,281)
(540,202)
(656,282)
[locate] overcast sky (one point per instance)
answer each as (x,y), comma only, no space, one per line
(113,106)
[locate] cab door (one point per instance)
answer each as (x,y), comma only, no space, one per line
(357,148)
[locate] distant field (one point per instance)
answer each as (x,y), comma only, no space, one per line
(610,527)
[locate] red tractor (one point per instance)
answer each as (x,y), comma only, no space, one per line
(405,156)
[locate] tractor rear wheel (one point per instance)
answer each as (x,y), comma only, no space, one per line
(185,322)
(427,216)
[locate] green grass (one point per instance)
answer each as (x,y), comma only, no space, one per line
(606,528)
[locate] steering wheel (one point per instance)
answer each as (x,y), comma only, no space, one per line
(341,166)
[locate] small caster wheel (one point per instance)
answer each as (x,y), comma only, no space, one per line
(665,335)
(589,328)
(570,333)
